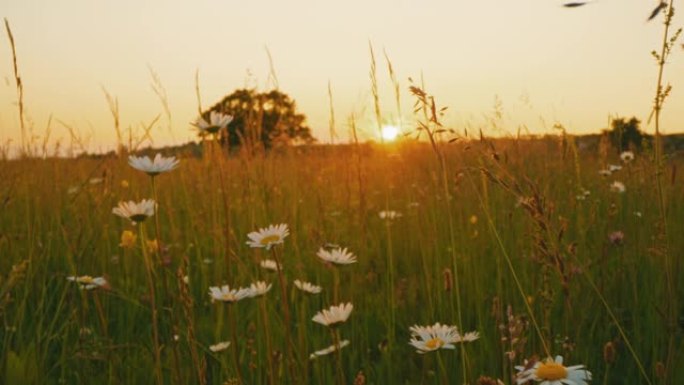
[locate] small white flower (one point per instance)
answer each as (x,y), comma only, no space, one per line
(618,187)
(87,282)
(307,287)
(217,121)
(614,167)
(605,172)
(219,347)
(430,338)
(389,214)
(337,256)
(627,156)
(135,212)
(259,288)
(268,236)
(154,167)
(334,315)
(584,194)
(328,350)
(553,372)
(226,294)
(269,264)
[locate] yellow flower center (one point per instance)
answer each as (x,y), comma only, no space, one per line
(434,344)
(551,371)
(267,240)
(227,297)
(86,279)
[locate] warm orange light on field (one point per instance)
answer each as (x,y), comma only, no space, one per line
(390,133)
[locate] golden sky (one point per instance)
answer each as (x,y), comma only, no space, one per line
(545,64)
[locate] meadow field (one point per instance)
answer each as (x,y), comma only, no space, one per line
(522,241)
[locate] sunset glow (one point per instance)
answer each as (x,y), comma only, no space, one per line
(389,133)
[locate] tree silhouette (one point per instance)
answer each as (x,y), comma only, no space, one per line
(625,134)
(268,119)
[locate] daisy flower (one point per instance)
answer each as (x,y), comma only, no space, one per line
(430,338)
(219,347)
(259,288)
(154,167)
(337,256)
(614,167)
(270,264)
(328,350)
(605,172)
(226,294)
(307,287)
(216,122)
(268,236)
(135,212)
(335,315)
(627,156)
(553,372)
(87,282)
(618,187)
(389,214)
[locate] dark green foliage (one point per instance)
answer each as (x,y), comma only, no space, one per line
(626,135)
(268,119)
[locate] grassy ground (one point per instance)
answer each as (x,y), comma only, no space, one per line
(506,212)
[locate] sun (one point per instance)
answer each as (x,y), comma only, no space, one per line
(389,133)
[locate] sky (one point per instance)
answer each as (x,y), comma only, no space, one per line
(541,63)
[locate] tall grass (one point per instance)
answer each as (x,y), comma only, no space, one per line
(55,333)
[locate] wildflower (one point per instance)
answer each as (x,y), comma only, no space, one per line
(616,238)
(128,239)
(219,347)
(88,283)
(154,167)
(337,256)
(627,156)
(584,194)
(226,294)
(270,264)
(430,338)
(614,167)
(389,214)
(259,288)
(268,236)
(335,315)
(618,187)
(217,121)
(307,287)
(135,212)
(605,172)
(552,372)
(152,245)
(328,350)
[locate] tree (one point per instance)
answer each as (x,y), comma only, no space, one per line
(268,118)
(625,134)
